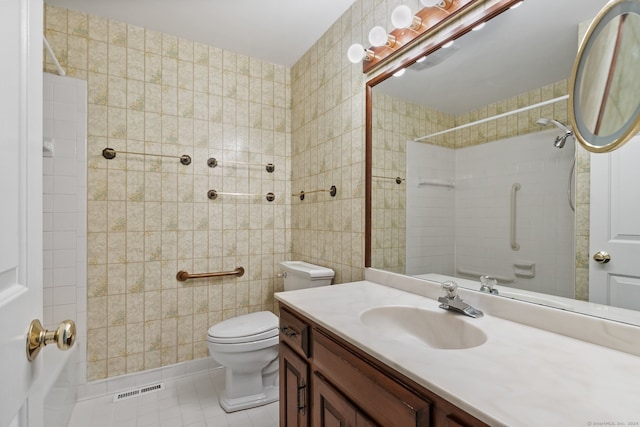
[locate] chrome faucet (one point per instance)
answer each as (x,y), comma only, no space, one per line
(488,284)
(451,301)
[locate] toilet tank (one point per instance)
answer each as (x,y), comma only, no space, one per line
(301,275)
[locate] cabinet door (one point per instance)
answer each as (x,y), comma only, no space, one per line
(294,390)
(330,408)
(387,401)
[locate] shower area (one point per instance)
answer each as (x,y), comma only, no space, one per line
(125,212)
(503,208)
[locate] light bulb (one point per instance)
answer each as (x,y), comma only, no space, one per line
(399,72)
(355,53)
(515,6)
(401,17)
(447,44)
(378,36)
(422,59)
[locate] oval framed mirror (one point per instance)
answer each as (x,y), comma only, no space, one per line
(604,91)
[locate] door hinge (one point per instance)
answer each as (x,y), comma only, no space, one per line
(302,397)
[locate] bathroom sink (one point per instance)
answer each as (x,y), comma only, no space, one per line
(441,330)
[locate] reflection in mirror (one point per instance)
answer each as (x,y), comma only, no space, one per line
(492,180)
(606,90)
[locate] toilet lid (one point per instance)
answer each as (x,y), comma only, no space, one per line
(245,328)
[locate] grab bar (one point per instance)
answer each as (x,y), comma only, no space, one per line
(436,183)
(183,276)
(332,192)
(213,195)
(397,179)
(514,188)
(110,153)
(212,162)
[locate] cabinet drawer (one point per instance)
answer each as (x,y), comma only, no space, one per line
(386,401)
(294,331)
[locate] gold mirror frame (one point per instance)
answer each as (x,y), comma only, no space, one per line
(591,141)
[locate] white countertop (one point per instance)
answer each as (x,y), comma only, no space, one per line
(521,376)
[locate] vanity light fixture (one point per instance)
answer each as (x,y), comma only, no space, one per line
(378,37)
(400,72)
(356,53)
(421,59)
(447,44)
(402,17)
(410,27)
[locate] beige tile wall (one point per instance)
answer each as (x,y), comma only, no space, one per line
(523,123)
(149,217)
(394,122)
(328,138)
(327,149)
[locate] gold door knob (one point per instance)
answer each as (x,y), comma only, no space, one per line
(38,337)
(602,257)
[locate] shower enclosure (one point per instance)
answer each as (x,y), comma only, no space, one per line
(506,207)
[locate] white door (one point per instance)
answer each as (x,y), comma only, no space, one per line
(21,199)
(615,227)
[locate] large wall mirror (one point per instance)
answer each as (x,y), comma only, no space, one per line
(474,169)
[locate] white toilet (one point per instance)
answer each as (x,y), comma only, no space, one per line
(247,345)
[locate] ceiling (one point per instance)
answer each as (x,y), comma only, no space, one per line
(520,50)
(276,31)
(538,40)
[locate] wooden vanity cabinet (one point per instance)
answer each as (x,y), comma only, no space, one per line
(325,382)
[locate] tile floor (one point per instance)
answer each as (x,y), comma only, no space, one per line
(190,401)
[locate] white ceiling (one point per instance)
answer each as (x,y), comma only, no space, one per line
(277,31)
(519,50)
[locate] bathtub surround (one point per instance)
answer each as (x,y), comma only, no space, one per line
(394,123)
(64,217)
(65,255)
(474,238)
(150,217)
(56,389)
(431,222)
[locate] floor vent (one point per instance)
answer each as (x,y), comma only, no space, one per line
(138,392)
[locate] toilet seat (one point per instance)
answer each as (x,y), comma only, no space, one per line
(244,329)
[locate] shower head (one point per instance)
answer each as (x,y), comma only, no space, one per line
(543,121)
(561,139)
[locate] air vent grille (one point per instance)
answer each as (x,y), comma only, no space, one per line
(138,391)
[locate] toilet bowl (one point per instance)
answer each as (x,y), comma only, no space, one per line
(247,346)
